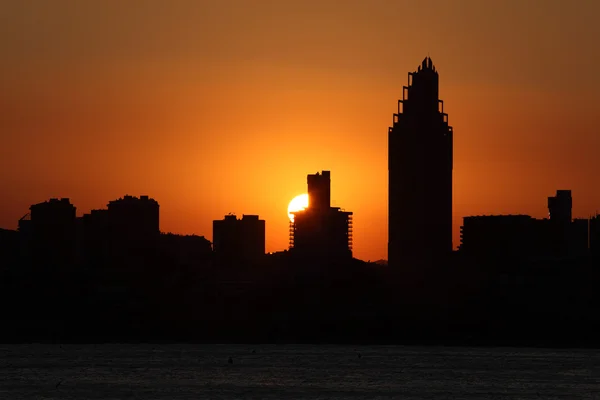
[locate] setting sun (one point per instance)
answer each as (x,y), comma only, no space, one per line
(298,203)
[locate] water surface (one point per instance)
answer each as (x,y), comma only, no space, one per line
(294,371)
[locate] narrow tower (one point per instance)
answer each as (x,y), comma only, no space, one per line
(420,173)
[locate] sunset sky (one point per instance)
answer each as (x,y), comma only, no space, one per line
(225,106)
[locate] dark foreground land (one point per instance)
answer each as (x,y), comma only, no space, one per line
(355,303)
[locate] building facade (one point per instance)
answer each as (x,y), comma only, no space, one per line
(133,227)
(134,217)
(239,240)
(53,233)
(420,160)
(321,231)
(96,237)
(523,237)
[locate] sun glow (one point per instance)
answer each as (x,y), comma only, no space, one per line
(298,203)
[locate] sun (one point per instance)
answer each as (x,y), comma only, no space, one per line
(298,203)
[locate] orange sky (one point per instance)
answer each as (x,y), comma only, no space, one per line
(225,106)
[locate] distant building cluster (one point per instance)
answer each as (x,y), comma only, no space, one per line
(52,234)
(319,231)
(128,230)
(420,164)
(522,237)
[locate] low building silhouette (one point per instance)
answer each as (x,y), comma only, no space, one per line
(560,207)
(504,237)
(24,229)
(52,233)
(578,244)
(594,235)
(96,238)
(9,248)
(133,225)
(321,231)
(186,250)
(134,217)
(499,236)
(560,215)
(239,240)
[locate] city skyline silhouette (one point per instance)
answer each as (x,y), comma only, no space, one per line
(155,103)
(420,173)
(252,198)
(420,203)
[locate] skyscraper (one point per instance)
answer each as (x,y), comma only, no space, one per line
(420,172)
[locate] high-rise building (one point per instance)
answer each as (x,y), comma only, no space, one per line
(420,145)
(133,225)
(53,235)
(134,218)
(320,230)
(239,240)
(319,190)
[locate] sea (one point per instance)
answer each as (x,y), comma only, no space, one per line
(174,371)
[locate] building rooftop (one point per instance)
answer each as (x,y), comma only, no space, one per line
(523,216)
(132,199)
(427,64)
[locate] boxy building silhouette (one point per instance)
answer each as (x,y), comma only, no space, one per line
(133,225)
(239,240)
(560,207)
(52,233)
(503,237)
(134,218)
(96,237)
(321,231)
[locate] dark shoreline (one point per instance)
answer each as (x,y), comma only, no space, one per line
(491,343)
(412,345)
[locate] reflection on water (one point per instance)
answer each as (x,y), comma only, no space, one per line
(294,371)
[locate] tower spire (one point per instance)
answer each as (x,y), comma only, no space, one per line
(427,63)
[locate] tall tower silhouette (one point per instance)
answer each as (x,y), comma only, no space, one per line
(420,173)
